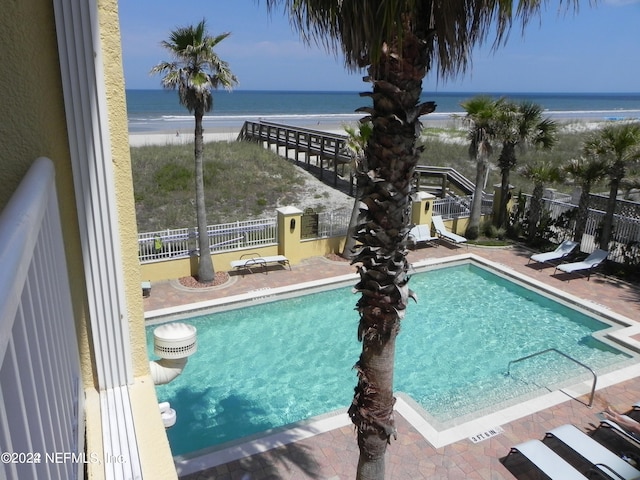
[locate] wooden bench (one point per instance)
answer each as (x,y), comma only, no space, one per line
(249,260)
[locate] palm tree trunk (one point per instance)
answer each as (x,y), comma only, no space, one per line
(535,211)
(504,198)
(607,223)
(382,231)
(205,264)
(583,213)
(473,227)
(350,241)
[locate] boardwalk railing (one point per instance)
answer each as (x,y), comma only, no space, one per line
(41,403)
(324,146)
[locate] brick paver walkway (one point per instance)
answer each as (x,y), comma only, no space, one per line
(334,455)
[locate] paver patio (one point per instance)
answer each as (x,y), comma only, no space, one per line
(334,454)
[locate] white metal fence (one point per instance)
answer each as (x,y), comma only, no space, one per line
(456,207)
(334,223)
(169,244)
(626,230)
(181,242)
(40,389)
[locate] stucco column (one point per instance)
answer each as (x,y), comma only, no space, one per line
(289,222)
(422,208)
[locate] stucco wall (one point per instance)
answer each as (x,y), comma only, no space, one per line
(33,124)
(123,181)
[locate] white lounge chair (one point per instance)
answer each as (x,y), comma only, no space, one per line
(562,251)
(421,234)
(590,263)
(249,260)
(621,432)
(595,453)
(546,460)
(442,231)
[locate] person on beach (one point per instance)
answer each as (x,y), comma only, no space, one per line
(626,422)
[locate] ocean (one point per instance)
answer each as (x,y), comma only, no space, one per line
(159,110)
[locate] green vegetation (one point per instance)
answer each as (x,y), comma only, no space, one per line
(242,180)
(455,154)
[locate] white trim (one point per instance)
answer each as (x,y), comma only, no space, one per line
(89,142)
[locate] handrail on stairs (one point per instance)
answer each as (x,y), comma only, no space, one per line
(595,377)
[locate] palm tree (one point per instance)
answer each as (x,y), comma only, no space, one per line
(541,172)
(356,143)
(619,145)
(585,170)
(195,70)
(481,121)
(521,126)
(397,41)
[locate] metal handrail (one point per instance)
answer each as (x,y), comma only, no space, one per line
(595,377)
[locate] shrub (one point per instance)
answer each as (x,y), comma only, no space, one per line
(173,177)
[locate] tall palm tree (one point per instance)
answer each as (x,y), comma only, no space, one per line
(357,139)
(542,171)
(194,71)
(397,41)
(585,170)
(521,126)
(619,145)
(480,118)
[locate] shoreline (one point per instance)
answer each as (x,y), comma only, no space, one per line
(183,134)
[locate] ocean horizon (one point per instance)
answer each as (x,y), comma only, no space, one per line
(159,110)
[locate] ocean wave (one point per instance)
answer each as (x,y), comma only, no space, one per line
(142,123)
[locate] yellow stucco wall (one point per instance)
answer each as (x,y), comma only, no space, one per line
(155,455)
(123,181)
(33,125)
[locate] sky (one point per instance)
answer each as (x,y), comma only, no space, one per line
(596,49)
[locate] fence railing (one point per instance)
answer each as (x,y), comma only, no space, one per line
(41,407)
(455,207)
(334,223)
(626,230)
(182,242)
(171,244)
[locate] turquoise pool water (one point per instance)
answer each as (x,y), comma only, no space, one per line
(268,365)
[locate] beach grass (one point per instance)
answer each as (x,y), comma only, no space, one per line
(245,181)
(242,181)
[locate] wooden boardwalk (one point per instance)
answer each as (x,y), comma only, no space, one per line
(322,147)
(327,151)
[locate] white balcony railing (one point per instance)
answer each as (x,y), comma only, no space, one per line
(41,409)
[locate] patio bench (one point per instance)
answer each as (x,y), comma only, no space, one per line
(250,260)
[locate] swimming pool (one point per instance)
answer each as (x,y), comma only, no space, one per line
(276,363)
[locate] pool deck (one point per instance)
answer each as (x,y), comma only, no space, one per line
(333,455)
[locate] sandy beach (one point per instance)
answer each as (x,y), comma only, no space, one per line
(180,137)
(230,133)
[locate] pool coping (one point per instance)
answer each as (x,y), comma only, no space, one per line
(475,429)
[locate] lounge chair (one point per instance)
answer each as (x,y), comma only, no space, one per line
(621,432)
(421,234)
(595,453)
(562,251)
(546,460)
(249,260)
(590,263)
(442,231)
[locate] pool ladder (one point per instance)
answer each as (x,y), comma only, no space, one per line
(595,377)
